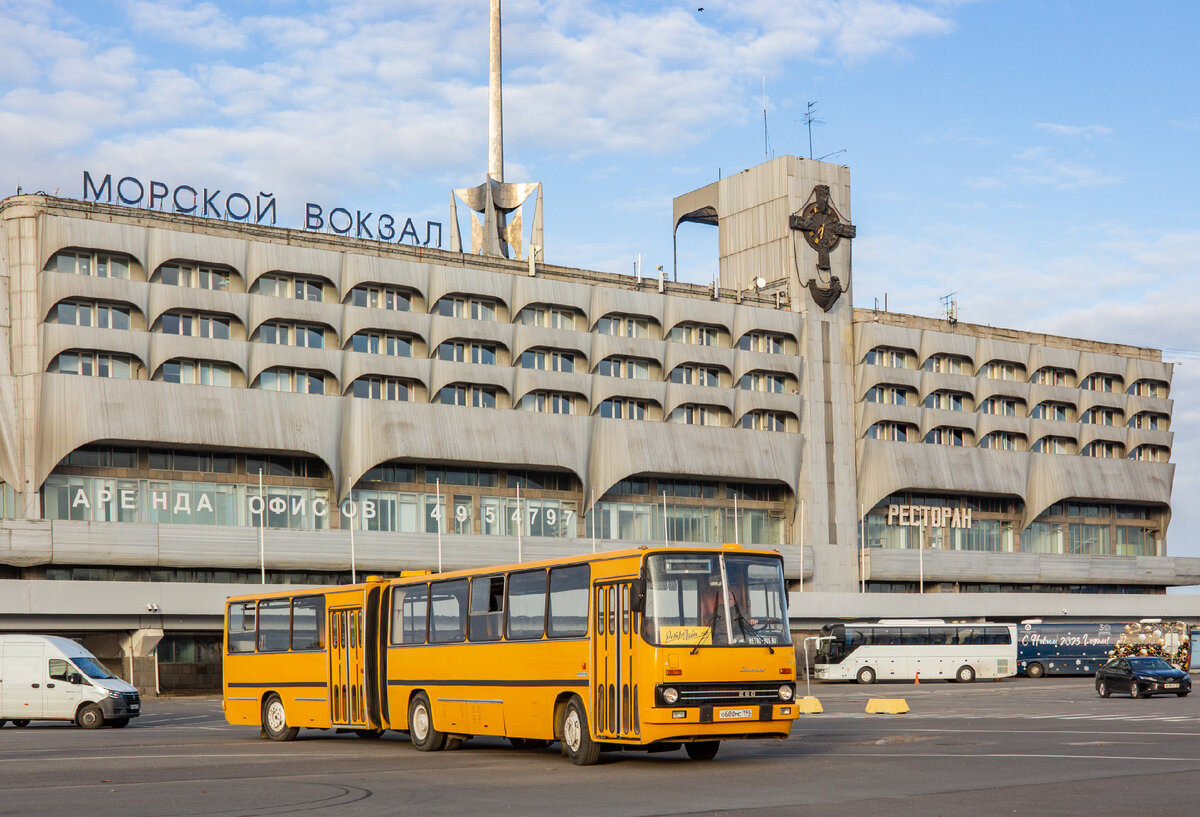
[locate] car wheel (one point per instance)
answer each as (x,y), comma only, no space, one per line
(1183,694)
(866,675)
(274,720)
(576,739)
(1134,690)
(702,749)
(420,725)
(965,673)
(1102,688)
(89,717)
(1035,670)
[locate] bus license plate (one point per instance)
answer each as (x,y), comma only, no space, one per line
(1170,686)
(735,714)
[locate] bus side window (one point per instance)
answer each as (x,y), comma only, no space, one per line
(487,598)
(526,610)
(448,612)
(274,624)
(569,601)
(241,627)
(409,614)
(308,620)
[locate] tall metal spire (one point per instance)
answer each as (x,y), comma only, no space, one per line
(495,102)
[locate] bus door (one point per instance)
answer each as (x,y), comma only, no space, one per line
(346,707)
(614,677)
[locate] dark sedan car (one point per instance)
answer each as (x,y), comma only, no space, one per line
(1142,676)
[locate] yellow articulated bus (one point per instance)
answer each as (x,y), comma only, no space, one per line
(653,649)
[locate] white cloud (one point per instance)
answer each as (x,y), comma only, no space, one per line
(1086,131)
(202,25)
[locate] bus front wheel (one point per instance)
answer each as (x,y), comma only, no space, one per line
(702,749)
(420,725)
(1035,670)
(866,675)
(576,739)
(274,720)
(965,673)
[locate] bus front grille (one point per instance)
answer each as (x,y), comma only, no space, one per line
(720,694)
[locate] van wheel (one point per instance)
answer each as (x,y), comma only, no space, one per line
(89,717)
(702,749)
(1035,670)
(965,674)
(274,720)
(117,723)
(576,739)
(420,725)
(21,722)
(866,675)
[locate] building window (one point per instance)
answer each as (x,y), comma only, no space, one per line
(1102,417)
(948,364)
(283,333)
(770,343)
(197,372)
(1149,388)
(1002,441)
(888,431)
(624,326)
(693,375)
(381,343)
(547,317)
(195,324)
(772,382)
(946,435)
(464,394)
(946,400)
(97,264)
(699,334)
(696,414)
(378,296)
(477,309)
(1054,445)
(100,314)
(299,381)
(1052,411)
(1104,449)
(461,351)
(1149,421)
(381,388)
(623,408)
(887,356)
(1101,382)
(548,360)
(546,402)
(764,421)
(283,285)
(631,368)
(94,364)
(196,276)
(888,395)
(1150,453)
(1002,370)
(1004,406)
(1054,376)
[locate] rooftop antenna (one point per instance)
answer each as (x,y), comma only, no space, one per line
(950,308)
(810,119)
(766,144)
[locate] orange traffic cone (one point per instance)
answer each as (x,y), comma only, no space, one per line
(917,680)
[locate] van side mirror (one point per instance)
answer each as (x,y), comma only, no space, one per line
(637,595)
(75,678)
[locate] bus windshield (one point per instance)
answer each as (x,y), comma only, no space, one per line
(699,599)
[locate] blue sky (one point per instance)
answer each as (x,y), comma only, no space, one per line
(1036,158)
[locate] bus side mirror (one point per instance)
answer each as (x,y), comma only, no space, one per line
(637,595)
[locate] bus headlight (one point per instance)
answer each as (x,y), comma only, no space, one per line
(785,692)
(670,695)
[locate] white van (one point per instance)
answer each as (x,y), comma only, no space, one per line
(44,677)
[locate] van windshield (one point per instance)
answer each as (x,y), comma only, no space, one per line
(91,667)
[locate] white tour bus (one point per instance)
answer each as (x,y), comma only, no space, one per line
(905,649)
(45,677)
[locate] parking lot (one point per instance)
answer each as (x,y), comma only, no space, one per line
(1018,746)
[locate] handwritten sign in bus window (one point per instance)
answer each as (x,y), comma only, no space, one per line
(685,635)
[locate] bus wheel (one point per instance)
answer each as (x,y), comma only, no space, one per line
(965,674)
(274,720)
(420,725)
(21,722)
(866,675)
(2,722)
(89,717)
(1035,670)
(702,749)
(576,739)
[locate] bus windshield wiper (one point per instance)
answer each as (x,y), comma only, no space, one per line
(712,622)
(747,628)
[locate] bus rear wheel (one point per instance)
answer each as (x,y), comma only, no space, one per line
(274,720)
(702,749)
(577,740)
(1035,670)
(420,725)
(866,675)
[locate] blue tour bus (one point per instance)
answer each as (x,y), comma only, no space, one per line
(1078,648)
